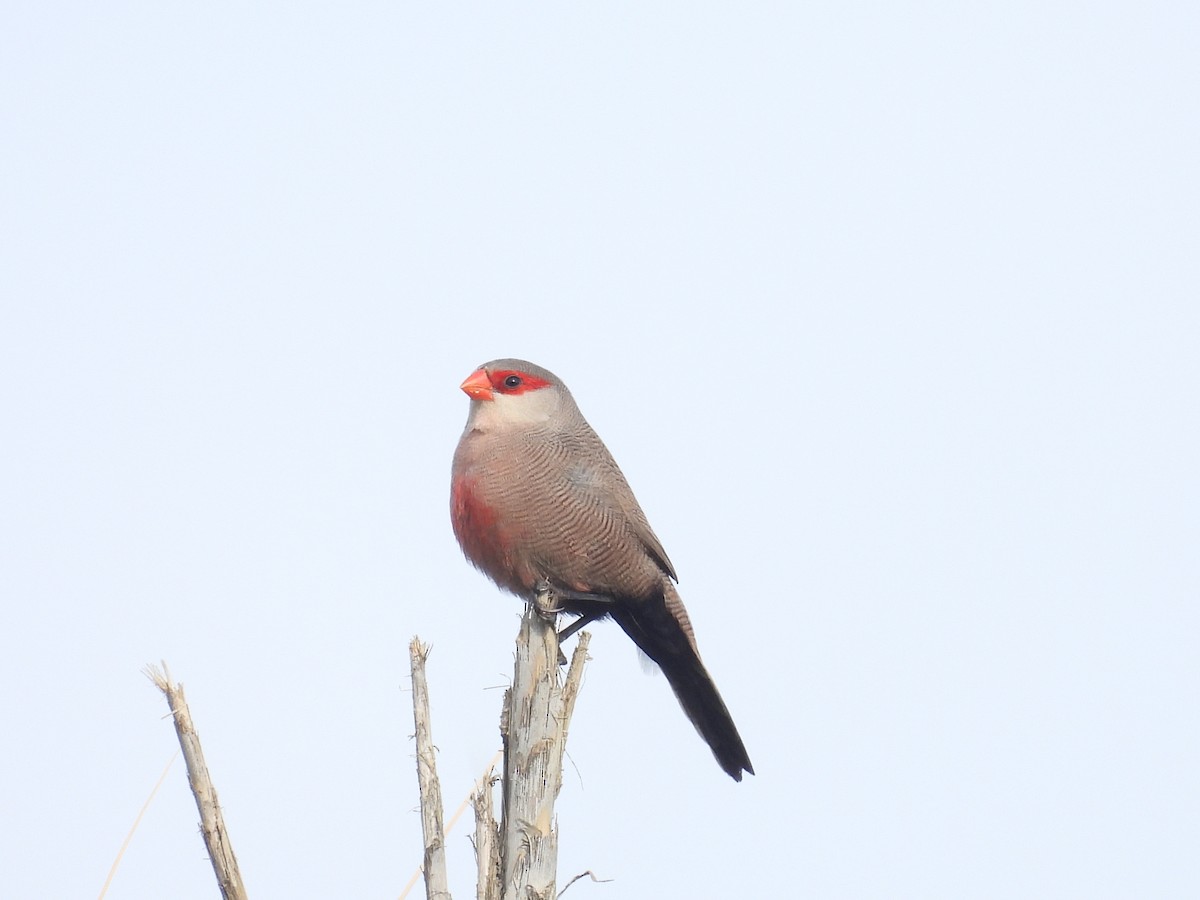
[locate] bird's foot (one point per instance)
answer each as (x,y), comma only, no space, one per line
(546,600)
(549,597)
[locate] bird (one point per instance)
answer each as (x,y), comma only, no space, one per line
(537,501)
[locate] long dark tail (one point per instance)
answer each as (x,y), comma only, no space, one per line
(661,636)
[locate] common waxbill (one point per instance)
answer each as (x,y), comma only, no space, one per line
(537,499)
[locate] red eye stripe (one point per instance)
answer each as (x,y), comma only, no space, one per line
(500,380)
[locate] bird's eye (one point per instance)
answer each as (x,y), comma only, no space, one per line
(512,381)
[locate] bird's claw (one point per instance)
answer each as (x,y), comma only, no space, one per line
(545,600)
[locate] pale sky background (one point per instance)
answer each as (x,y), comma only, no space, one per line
(889,312)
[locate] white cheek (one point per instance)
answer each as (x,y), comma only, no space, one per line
(522,409)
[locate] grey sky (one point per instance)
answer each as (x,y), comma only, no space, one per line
(888,312)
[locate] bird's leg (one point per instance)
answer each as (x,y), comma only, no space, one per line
(571,629)
(584,619)
(545,601)
(580,596)
(548,600)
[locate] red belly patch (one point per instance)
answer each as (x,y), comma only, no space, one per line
(482,537)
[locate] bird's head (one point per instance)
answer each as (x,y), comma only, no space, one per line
(514,392)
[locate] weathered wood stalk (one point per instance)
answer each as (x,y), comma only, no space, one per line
(212,822)
(534,727)
(436,883)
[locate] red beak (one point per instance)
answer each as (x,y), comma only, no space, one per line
(477,387)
